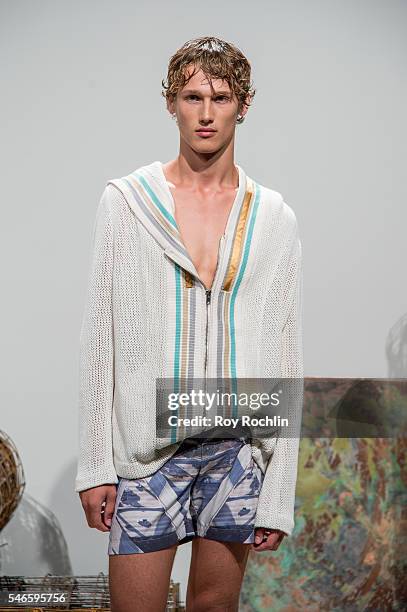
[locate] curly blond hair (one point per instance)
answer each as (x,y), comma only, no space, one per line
(218,59)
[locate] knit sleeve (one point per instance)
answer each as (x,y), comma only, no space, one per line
(96,359)
(277,496)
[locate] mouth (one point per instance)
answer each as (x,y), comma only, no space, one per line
(205,132)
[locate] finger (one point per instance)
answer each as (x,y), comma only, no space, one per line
(95,517)
(259,535)
(274,539)
(281,537)
(269,543)
(260,547)
(109,507)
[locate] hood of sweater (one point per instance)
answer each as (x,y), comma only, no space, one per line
(148,194)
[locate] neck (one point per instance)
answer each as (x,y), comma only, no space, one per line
(203,171)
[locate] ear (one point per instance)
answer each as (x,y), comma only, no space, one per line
(170,106)
(243,108)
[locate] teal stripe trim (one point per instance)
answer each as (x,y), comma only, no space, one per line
(156,200)
(178,280)
(235,289)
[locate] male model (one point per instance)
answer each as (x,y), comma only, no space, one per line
(195,272)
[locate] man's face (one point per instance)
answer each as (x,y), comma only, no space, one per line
(199,108)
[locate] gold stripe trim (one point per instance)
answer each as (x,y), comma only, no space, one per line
(188,279)
(238,241)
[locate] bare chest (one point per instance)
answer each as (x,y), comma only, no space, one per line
(202,221)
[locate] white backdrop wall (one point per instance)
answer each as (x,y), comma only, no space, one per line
(81,104)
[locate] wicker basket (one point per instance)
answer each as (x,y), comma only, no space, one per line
(12,481)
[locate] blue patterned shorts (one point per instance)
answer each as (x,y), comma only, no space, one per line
(208,488)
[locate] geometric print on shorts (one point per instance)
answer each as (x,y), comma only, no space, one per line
(206,489)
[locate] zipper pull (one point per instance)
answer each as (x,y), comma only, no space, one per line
(208,295)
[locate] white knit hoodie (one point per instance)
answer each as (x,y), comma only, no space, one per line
(146,316)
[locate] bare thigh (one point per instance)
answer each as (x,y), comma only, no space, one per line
(140,581)
(216,575)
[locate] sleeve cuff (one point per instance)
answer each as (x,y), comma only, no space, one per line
(81,484)
(278,522)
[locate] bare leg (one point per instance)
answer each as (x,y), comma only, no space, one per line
(140,581)
(216,575)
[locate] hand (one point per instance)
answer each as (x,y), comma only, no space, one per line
(267,539)
(98,504)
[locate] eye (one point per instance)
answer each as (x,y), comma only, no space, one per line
(224,98)
(191,96)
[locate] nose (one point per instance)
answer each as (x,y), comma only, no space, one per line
(206,115)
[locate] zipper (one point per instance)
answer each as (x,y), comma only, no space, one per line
(208,293)
(208,301)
